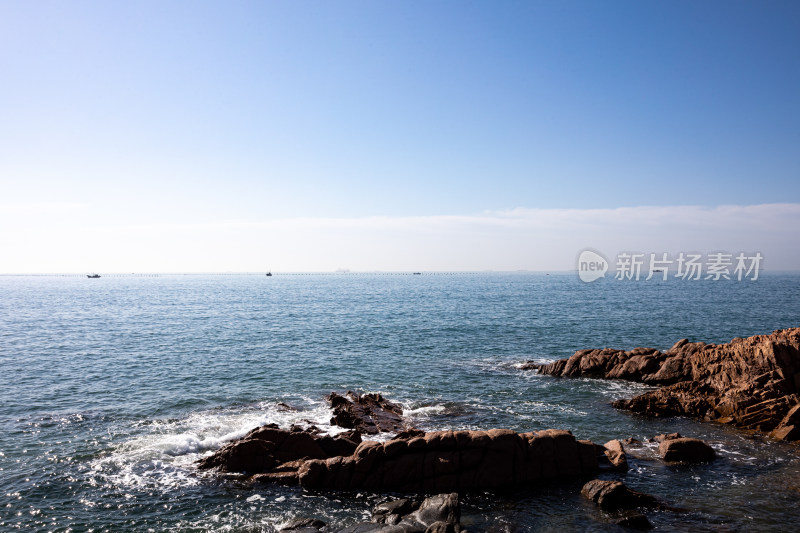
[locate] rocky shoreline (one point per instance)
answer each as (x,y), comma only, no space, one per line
(413,461)
(445,462)
(751,383)
(441,462)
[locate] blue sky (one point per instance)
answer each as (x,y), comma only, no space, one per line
(151,118)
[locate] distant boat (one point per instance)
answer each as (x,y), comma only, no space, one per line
(269,273)
(417,273)
(92,275)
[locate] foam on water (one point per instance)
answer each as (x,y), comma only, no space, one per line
(163,452)
(536,360)
(424,411)
(621,389)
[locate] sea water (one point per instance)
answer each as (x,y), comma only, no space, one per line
(112,388)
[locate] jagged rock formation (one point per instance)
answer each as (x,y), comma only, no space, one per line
(753,383)
(366,413)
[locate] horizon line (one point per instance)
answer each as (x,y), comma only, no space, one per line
(324,272)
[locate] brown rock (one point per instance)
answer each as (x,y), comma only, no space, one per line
(671,370)
(789,433)
(615,453)
(614,495)
(753,383)
(280,478)
(249,455)
(638,364)
(665,436)
(448,461)
(686,450)
(686,398)
(263,449)
(409,433)
(678,345)
(589,454)
(368,413)
(789,427)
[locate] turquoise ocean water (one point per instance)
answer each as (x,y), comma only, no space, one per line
(113,387)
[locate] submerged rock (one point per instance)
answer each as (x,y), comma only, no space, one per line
(436,514)
(632,520)
(752,383)
(615,495)
(367,413)
(686,450)
(392,512)
(303,524)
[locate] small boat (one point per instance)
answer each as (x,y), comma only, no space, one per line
(417,273)
(269,273)
(92,276)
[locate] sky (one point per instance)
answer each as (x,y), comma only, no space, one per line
(176,136)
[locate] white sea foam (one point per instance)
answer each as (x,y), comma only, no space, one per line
(493,364)
(536,360)
(161,453)
(424,411)
(613,388)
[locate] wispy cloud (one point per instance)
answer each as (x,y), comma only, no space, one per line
(40,208)
(777,217)
(537,239)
